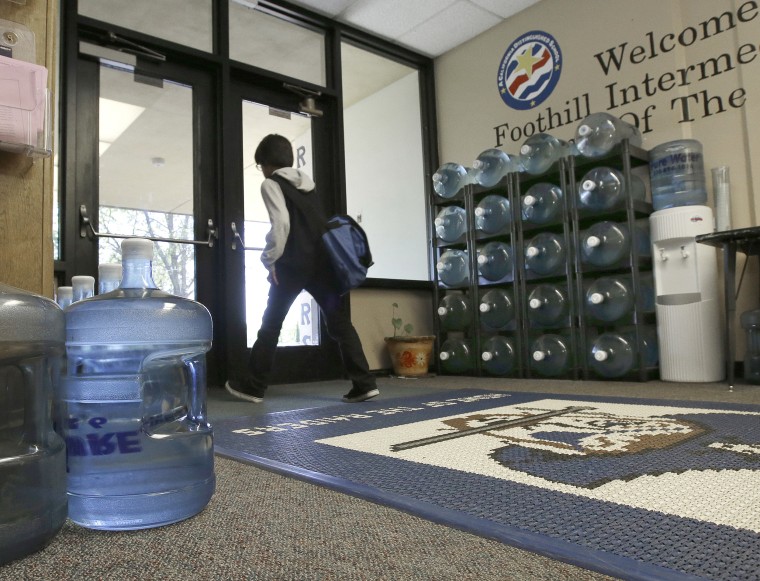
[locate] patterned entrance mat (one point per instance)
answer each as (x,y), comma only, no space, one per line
(638,489)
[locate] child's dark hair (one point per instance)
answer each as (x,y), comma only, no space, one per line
(274,150)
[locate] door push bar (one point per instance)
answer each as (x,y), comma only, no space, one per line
(85,224)
(236,237)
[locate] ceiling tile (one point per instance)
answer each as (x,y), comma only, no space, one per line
(504,8)
(449,28)
(392,18)
(330,8)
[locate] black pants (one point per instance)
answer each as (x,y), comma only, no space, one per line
(337,320)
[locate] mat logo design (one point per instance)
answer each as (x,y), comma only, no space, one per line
(529,70)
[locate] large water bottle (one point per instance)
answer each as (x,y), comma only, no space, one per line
(498,355)
(542,204)
(545,254)
(495,261)
(133,403)
(550,355)
(454,267)
(451,224)
(492,214)
(492,165)
(64,295)
(677,174)
(32,455)
(599,133)
(497,310)
(615,354)
(109,277)
(548,306)
(454,312)
(750,321)
(540,151)
(611,298)
(82,287)
(607,243)
(452,177)
(456,356)
(603,189)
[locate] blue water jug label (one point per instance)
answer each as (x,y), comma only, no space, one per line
(93,437)
(684,162)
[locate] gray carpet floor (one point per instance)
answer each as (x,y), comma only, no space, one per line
(261,525)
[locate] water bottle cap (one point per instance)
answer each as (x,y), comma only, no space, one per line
(479,211)
(539,356)
(593,241)
(438,177)
(484,307)
(526,149)
(482,259)
(441,266)
(109,271)
(532,252)
(82,281)
(601,355)
(64,292)
(529,200)
(442,311)
(439,221)
(139,248)
(535,303)
(486,356)
(584,130)
(444,355)
(596,298)
(478,164)
(589,185)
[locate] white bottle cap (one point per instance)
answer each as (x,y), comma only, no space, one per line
(479,211)
(482,259)
(529,200)
(484,307)
(442,311)
(592,242)
(437,177)
(109,271)
(526,149)
(539,356)
(442,266)
(478,164)
(589,185)
(532,251)
(82,281)
(596,298)
(439,221)
(535,303)
(486,356)
(444,355)
(584,130)
(139,248)
(64,292)
(601,355)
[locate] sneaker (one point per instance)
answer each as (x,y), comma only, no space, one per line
(245,390)
(358,394)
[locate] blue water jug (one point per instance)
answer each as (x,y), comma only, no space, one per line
(497,309)
(542,204)
(492,165)
(32,455)
(550,355)
(750,321)
(495,260)
(454,267)
(540,151)
(610,298)
(133,403)
(451,224)
(603,189)
(548,306)
(545,254)
(498,355)
(616,353)
(599,133)
(454,312)
(456,356)
(492,214)
(452,177)
(677,174)
(608,243)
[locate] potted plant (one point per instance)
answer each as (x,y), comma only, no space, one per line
(410,354)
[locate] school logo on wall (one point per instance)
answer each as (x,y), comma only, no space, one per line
(529,70)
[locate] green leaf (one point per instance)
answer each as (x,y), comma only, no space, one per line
(396,323)
(408,328)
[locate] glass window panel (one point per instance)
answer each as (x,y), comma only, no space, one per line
(187,22)
(273,44)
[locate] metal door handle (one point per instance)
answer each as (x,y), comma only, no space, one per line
(236,238)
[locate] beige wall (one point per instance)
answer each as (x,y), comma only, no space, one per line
(470,108)
(26,186)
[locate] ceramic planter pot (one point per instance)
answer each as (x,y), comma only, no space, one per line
(410,355)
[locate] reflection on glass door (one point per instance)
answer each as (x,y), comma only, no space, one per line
(301,326)
(146,172)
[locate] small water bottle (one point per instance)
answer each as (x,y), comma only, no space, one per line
(610,298)
(109,277)
(677,174)
(540,151)
(492,165)
(550,355)
(545,254)
(492,214)
(495,261)
(82,287)
(450,224)
(614,354)
(32,456)
(497,309)
(599,133)
(498,355)
(603,189)
(452,177)
(607,243)
(750,321)
(454,267)
(456,356)
(133,402)
(64,295)
(454,312)
(542,204)
(548,306)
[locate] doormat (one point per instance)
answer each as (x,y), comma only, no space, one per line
(637,489)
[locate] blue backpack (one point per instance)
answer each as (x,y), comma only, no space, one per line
(348,248)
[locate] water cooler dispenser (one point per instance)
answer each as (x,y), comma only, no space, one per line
(689,326)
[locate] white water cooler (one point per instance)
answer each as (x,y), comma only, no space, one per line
(689,327)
